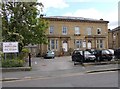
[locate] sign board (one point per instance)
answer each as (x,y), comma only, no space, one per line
(10,47)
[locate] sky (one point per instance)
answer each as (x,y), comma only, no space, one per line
(95,9)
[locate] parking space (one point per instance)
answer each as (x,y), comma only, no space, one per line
(58,63)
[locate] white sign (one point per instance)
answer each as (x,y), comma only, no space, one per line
(10,47)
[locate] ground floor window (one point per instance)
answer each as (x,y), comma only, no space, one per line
(78,44)
(99,43)
(52,44)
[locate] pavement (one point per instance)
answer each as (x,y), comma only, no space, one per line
(56,67)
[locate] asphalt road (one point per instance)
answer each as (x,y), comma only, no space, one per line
(101,79)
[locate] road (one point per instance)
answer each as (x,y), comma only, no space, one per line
(99,79)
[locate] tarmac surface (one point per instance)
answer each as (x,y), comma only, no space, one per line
(56,67)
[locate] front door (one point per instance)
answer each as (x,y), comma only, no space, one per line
(65,46)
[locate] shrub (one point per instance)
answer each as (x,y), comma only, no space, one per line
(25,50)
(12,63)
(24,53)
(1,55)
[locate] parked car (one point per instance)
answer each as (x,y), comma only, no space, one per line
(117,53)
(82,56)
(49,54)
(77,56)
(102,55)
(112,53)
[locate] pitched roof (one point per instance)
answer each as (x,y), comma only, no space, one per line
(116,29)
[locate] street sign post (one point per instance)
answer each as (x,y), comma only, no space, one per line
(10,47)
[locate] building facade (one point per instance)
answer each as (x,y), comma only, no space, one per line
(66,34)
(114,38)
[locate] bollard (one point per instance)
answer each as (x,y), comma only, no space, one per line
(29,60)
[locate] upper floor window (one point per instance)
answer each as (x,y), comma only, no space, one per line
(88,30)
(77,30)
(64,30)
(98,31)
(51,29)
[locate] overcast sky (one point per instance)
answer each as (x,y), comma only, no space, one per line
(96,9)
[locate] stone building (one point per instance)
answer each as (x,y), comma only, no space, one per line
(66,34)
(114,38)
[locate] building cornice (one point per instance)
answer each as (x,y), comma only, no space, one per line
(75,19)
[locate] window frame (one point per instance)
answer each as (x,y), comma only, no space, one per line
(100,43)
(64,30)
(99,31)
(89,31)
(79,44)
(77,30)
(51,30)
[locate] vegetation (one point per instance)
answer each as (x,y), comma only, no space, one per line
(12,63)
(14,60)
(22,22)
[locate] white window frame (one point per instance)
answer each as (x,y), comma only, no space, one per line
(79,44)
(77,30)
(64,30)
(52,48)
(100,43)
(54,44)
(51,29)
(89,31)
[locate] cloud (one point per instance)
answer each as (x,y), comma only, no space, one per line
(60,4)
(105,1)
(111,16)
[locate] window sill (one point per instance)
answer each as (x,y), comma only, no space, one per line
(77,34)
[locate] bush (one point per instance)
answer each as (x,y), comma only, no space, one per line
(25,50)
(1,54)
(24,53)
(12,63)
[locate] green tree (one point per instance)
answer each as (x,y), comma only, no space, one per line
(21,22)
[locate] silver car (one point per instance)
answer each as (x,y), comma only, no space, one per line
(49,54)
(89,56)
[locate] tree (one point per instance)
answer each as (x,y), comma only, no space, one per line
(21,22)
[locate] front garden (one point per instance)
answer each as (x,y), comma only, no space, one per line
(14,59)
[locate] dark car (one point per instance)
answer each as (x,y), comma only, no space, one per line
(77,56)
(117,53)
(82,56)
(102,55)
